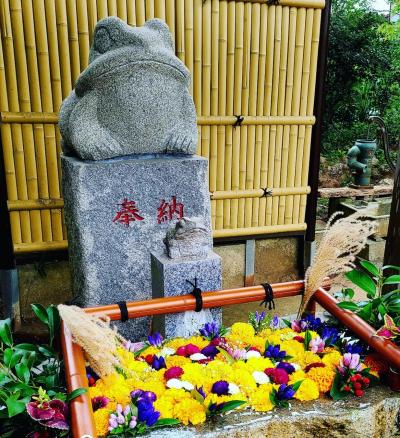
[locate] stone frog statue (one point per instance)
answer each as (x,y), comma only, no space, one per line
(133,98)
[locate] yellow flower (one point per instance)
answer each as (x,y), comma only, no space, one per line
(176,361)
(199,341)
(243,329)
(215,398)
(259,400)
(292,348)
(331,360)
(175,343)
(306,358)
(189,410)
(244,380)
(150,350)
(101,417)
(256,364)
(308,390)
(323,377)
(296,376)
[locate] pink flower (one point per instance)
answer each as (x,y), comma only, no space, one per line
(277,375)
(349,361)
(316,345)
(52,414)
(187,350)
(173,373)
(296,327)
(384,333)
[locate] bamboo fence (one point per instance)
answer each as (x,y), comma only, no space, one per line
(247,58)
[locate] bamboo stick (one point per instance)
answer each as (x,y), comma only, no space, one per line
(237,107)
(303,106)
(122,11)
(257,193)
(92,17)
(318,4)
(295,110)
(6,134)
(267,110)
(62,32)
(83,33)
(20,99)
(140,12)
(170,16)
(55,245)
(47,105)
(180,30)
(102,9)
(159,9)
(36,105)
(112,8)
(73,39)
(149,9)
(35,204)
(131,13)
(269,229)
(188,22)
(206,77)
(230,84)
(196,78)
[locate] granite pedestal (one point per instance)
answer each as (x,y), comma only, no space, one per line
(117,212)
(170,278)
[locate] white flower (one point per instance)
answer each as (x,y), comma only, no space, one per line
(174,383)
(198,356)
(252,353)
(260,377)
(187,385)
(167,351)
(233,389)
(296,366)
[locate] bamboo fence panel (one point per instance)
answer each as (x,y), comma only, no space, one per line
(247,58)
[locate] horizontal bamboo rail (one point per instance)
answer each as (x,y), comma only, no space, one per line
(266,229)
(53,245)
(35,204)
(316,4)
(52,118)
(75,371)
(259,193)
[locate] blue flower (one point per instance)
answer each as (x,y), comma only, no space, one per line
(274,352)
(158,363)
(285,392)
(210,330)
(201,391)
(220,388)
(146,412)
(288,367)
(210,351)
(311,323)
(329,335)
(275,321)
(259,317)
(355,348)
(155,340)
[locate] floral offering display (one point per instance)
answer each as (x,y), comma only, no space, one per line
(260,365)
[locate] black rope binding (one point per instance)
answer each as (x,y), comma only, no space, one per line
(124,311)
(196,292)
(239,121)
(267,192)
(268,301)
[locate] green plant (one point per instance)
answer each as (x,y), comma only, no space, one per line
(372,279)
(27,370)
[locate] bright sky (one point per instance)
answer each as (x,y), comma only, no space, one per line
(380,5)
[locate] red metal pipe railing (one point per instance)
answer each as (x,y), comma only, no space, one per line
(81,410)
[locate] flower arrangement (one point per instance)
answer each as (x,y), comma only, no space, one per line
(260,365)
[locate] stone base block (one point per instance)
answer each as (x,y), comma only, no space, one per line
(169,278)
(117,212)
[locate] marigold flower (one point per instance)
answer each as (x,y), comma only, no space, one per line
(323,377)
(101,417)
(190,411)
(308,390)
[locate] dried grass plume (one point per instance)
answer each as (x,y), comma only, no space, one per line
(95,336)
(341,242)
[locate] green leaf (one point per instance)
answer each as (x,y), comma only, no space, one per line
(335,391)
(15,406)
(366,312)
(362,280)
(287,322)
(226,355)
(393,279)
(76,393)
(53,321)
(11,357)
(165,422)
(47,351)
(23,372)
(25,347)
(40,312)
(231,405)
(382,310)
(5,332)
(370,267)
(348,292)
(396,268)
(29,359)
(348,305)
(307,339)
(297,385)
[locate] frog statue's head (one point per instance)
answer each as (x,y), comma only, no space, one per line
(133,98)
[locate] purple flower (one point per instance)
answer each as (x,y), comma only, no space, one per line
(210,330)
(296,327)
(316,345)
(210,351)
(355,348)
(259,317)
(201,391)
(158,363)
(289,368)
(330,335)
(275,321)
(274,352)
(349,362)
(285,392)
(220,388)
(133,346)
(137,393)
(146,412)
(51,414)
(99,402)
(155,340)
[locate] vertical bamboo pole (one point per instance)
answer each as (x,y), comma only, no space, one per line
(149,9)
(298,66)
(303,107)
(7,84)
(230,84)
(260,109)
(245,111)
(251,165)
(39,141)
(197,60)
(170,16)
(92,17)
(180,30)
(237,108)
(73,40)
(83,33)
(131,13)
(112,8)
(222,79)
(47,106)
(122,10)
(102,9)
(273,156)
(280,111)
(310,107)
(214,104)
(140,12)
(22,134)
(188,23)
(267,110)
(159,8)
(62,32)
(206,77)
(288,110)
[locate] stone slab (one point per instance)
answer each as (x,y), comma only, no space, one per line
(110,260)
(169,278)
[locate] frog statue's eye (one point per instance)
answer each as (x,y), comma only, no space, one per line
(102,40)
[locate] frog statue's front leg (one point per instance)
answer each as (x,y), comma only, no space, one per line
(81,131)
(182,138)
